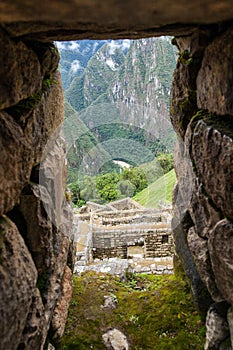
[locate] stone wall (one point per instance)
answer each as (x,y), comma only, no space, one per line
(202,115)
(34,250)
(101,235)
(34,217)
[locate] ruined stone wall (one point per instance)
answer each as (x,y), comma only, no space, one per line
(35,264)
(156,242)
(202,115)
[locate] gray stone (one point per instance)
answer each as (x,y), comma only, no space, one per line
(202,212)
(217,329)
(114,339)
(61,310)
(210,142)
(110,302)
(23,143)
(48,56)
(48,245)
(183,192)
(35,331)
(21,70)
(230,323)
(199,250)
(221,255)
(44,121)
(18,277)
(14,173)
(51,347)
(214,81)
(183,92)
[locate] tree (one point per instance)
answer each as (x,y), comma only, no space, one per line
(126,188)
(137,177)
(166,161)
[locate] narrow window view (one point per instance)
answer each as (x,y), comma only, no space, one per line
(120,147)
(116,175)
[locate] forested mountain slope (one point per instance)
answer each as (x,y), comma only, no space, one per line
(121,93)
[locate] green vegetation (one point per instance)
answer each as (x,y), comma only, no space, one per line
(114,185)
(154,312)
(159,191)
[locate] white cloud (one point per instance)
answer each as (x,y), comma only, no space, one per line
(111,64)
(113,45)
(73,45)
(60,45)
(126,44)
(75,65)
(67,45)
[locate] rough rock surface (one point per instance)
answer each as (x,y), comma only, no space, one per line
(61,309)
(48,245)
(215,72)
(217,329)
(33,249)
(21,71)
(199,249)
(208,144)
(35,331)
(18,277)
(26,140)
(204,168)
(114,339)
(221,254)
(98,19)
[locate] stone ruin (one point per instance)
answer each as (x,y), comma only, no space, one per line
(122,229)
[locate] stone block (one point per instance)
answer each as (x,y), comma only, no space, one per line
(61,310)
(212,154)
(221,255)
(20,71)
(199,249)
(48,244)
(202,212)
(35,331)
(22,144)
(215,78)
(18,278)
(217,329)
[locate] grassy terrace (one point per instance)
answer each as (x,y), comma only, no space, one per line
(154,312)
(160,190)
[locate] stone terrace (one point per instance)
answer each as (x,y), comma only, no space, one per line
(122,229)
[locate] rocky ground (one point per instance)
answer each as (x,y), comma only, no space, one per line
(116,266)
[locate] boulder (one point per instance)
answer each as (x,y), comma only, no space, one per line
(18,278)
(114,339)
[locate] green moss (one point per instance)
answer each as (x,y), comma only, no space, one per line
(186,108)
(21,110)
(155,312)
(184,58)
(41,282)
